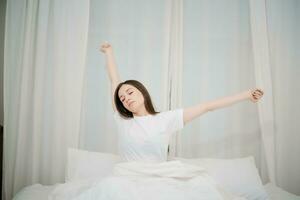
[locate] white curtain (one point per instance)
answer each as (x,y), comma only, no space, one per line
(218,61)
(261,56)
(136,30)
(233,46)
(284,41)
(45,50)
(172,67)
(185,53)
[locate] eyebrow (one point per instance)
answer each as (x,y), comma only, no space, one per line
(126,91)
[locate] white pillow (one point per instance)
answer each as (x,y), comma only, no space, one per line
(86,165)
(238,176)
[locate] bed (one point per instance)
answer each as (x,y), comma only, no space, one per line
(84,165)
(41,192)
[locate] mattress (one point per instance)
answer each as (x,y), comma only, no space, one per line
(40,192)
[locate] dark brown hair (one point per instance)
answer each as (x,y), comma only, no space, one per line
(147,99)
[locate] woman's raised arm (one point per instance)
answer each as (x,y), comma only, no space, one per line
(114,76)
(191,113)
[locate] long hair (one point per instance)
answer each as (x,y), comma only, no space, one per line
(147,99)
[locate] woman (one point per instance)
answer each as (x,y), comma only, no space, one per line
(144,136)
(144,133)
(144,173)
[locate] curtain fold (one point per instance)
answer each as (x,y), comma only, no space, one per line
(44,64)
(172,68)
(283,36)
(261,53)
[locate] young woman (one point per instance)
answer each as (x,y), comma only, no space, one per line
(144,133)
(144,171)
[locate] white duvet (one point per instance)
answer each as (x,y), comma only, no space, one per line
(171,180)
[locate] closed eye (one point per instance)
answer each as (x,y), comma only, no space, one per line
(124,98)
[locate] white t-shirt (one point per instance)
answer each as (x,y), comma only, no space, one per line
(146,138)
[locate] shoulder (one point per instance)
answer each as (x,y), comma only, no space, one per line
(172,119)
(171,114)
(119,118)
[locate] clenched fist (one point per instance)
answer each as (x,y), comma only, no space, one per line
(256,94)
(106,48)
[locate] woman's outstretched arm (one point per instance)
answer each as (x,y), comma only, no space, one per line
(191,113)
(111,66)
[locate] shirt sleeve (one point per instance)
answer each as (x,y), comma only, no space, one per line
(173,120)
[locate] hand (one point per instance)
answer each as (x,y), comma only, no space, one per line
(106,48)
(256,94)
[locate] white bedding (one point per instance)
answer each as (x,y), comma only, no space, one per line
(135,180)
(41,192)
(169,180)
(276,193)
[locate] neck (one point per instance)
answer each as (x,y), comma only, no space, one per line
(141,112)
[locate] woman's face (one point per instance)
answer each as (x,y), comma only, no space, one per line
(131,97)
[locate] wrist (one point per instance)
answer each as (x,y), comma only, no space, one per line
(109,53)
(247,94)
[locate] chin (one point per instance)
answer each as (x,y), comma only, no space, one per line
(131,110)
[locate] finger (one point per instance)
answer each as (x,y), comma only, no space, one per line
(260,91)
(255,93)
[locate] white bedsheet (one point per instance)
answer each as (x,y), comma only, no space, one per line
(276,193)
(41,192)
(167,181)
(35,192)
(172,180)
